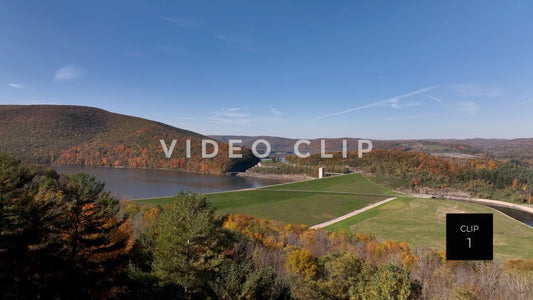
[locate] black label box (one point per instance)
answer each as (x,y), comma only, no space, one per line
(469,237)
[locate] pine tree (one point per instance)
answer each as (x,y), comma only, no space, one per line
(190,244)
(95,241)
(59,236)
(28,227)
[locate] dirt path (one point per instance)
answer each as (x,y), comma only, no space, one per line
(353,213)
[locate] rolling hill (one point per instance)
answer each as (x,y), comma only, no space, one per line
(78,135)
(493,148)
(500,148)
(286,145)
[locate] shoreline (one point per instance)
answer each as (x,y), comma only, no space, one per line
(290,177)
(142,168)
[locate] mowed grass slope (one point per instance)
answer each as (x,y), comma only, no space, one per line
(309,202)
(290,207)
(353,183)
(421,223)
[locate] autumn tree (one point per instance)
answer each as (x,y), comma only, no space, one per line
(301,261)
(28,230)
(389,282)
(95,241)
(59,237)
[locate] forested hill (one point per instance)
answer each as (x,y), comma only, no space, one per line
(286,145)
(78,135)
(494,148)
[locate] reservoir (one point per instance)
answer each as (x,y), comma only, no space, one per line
(146,183)
(519,215)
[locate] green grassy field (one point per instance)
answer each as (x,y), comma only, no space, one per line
(310,202)
(290,207)
(421,223)
(353,183)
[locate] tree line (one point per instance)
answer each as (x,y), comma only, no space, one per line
(482,177)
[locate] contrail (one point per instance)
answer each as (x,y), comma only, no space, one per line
(382,102)
(435,98)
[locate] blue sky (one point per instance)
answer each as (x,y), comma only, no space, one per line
(303,69)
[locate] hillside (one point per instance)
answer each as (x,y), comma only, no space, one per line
(310,202)
(76,135)
(500,148)
(495,148)
(421,223)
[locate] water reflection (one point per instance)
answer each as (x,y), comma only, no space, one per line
(144,183)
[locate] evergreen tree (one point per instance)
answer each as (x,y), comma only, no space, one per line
(190,244)
(95,241)
(59,236)
(28,229)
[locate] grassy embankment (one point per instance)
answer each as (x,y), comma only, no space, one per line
(309,202)
(419,222)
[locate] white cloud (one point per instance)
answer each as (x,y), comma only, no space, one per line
(468,107)
(15,85)
(183,22)
(275,111)
(68,72)
(230,116)
(393,102)
(241,44)
(473,90)
(229,121)
(224,38)
(232,113)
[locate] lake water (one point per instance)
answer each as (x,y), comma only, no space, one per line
(146,183)
(519,215)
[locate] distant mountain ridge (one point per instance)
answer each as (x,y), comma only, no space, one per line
(495,148)
(79,135)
